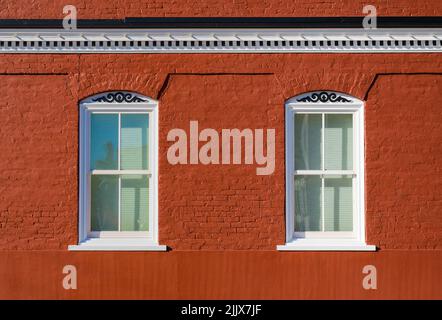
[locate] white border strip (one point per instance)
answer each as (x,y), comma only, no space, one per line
(219,40)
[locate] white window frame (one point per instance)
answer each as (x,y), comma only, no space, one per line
(121,102)
(332,103)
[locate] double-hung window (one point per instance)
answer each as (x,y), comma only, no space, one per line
(325,173)
(118,173)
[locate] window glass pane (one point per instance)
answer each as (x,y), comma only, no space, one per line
(134,203)
(307,203)
(104,203)
(104,141)
(308,141)
(338,203)
(338,138)
(134,141)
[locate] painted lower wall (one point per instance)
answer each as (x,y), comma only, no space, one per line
(221,275)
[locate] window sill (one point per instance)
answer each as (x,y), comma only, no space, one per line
(117,245)
(325,245)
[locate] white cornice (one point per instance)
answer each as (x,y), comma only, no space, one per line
(220,40)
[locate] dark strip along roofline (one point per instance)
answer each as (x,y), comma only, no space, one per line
(226,22)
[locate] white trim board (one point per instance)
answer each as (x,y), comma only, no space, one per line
(121,245)
(330,246)
(220,40)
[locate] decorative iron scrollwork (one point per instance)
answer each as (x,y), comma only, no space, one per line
(324,97)
(119,97)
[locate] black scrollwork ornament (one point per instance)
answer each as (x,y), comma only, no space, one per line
(119,97)
(324,97)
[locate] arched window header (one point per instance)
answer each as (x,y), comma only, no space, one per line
(118,97)
(324,97)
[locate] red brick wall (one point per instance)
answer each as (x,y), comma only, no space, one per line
(404,162)
(220,207)
(38,163)
(112,9)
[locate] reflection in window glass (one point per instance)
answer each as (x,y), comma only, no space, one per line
(104,141)
(308,203)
